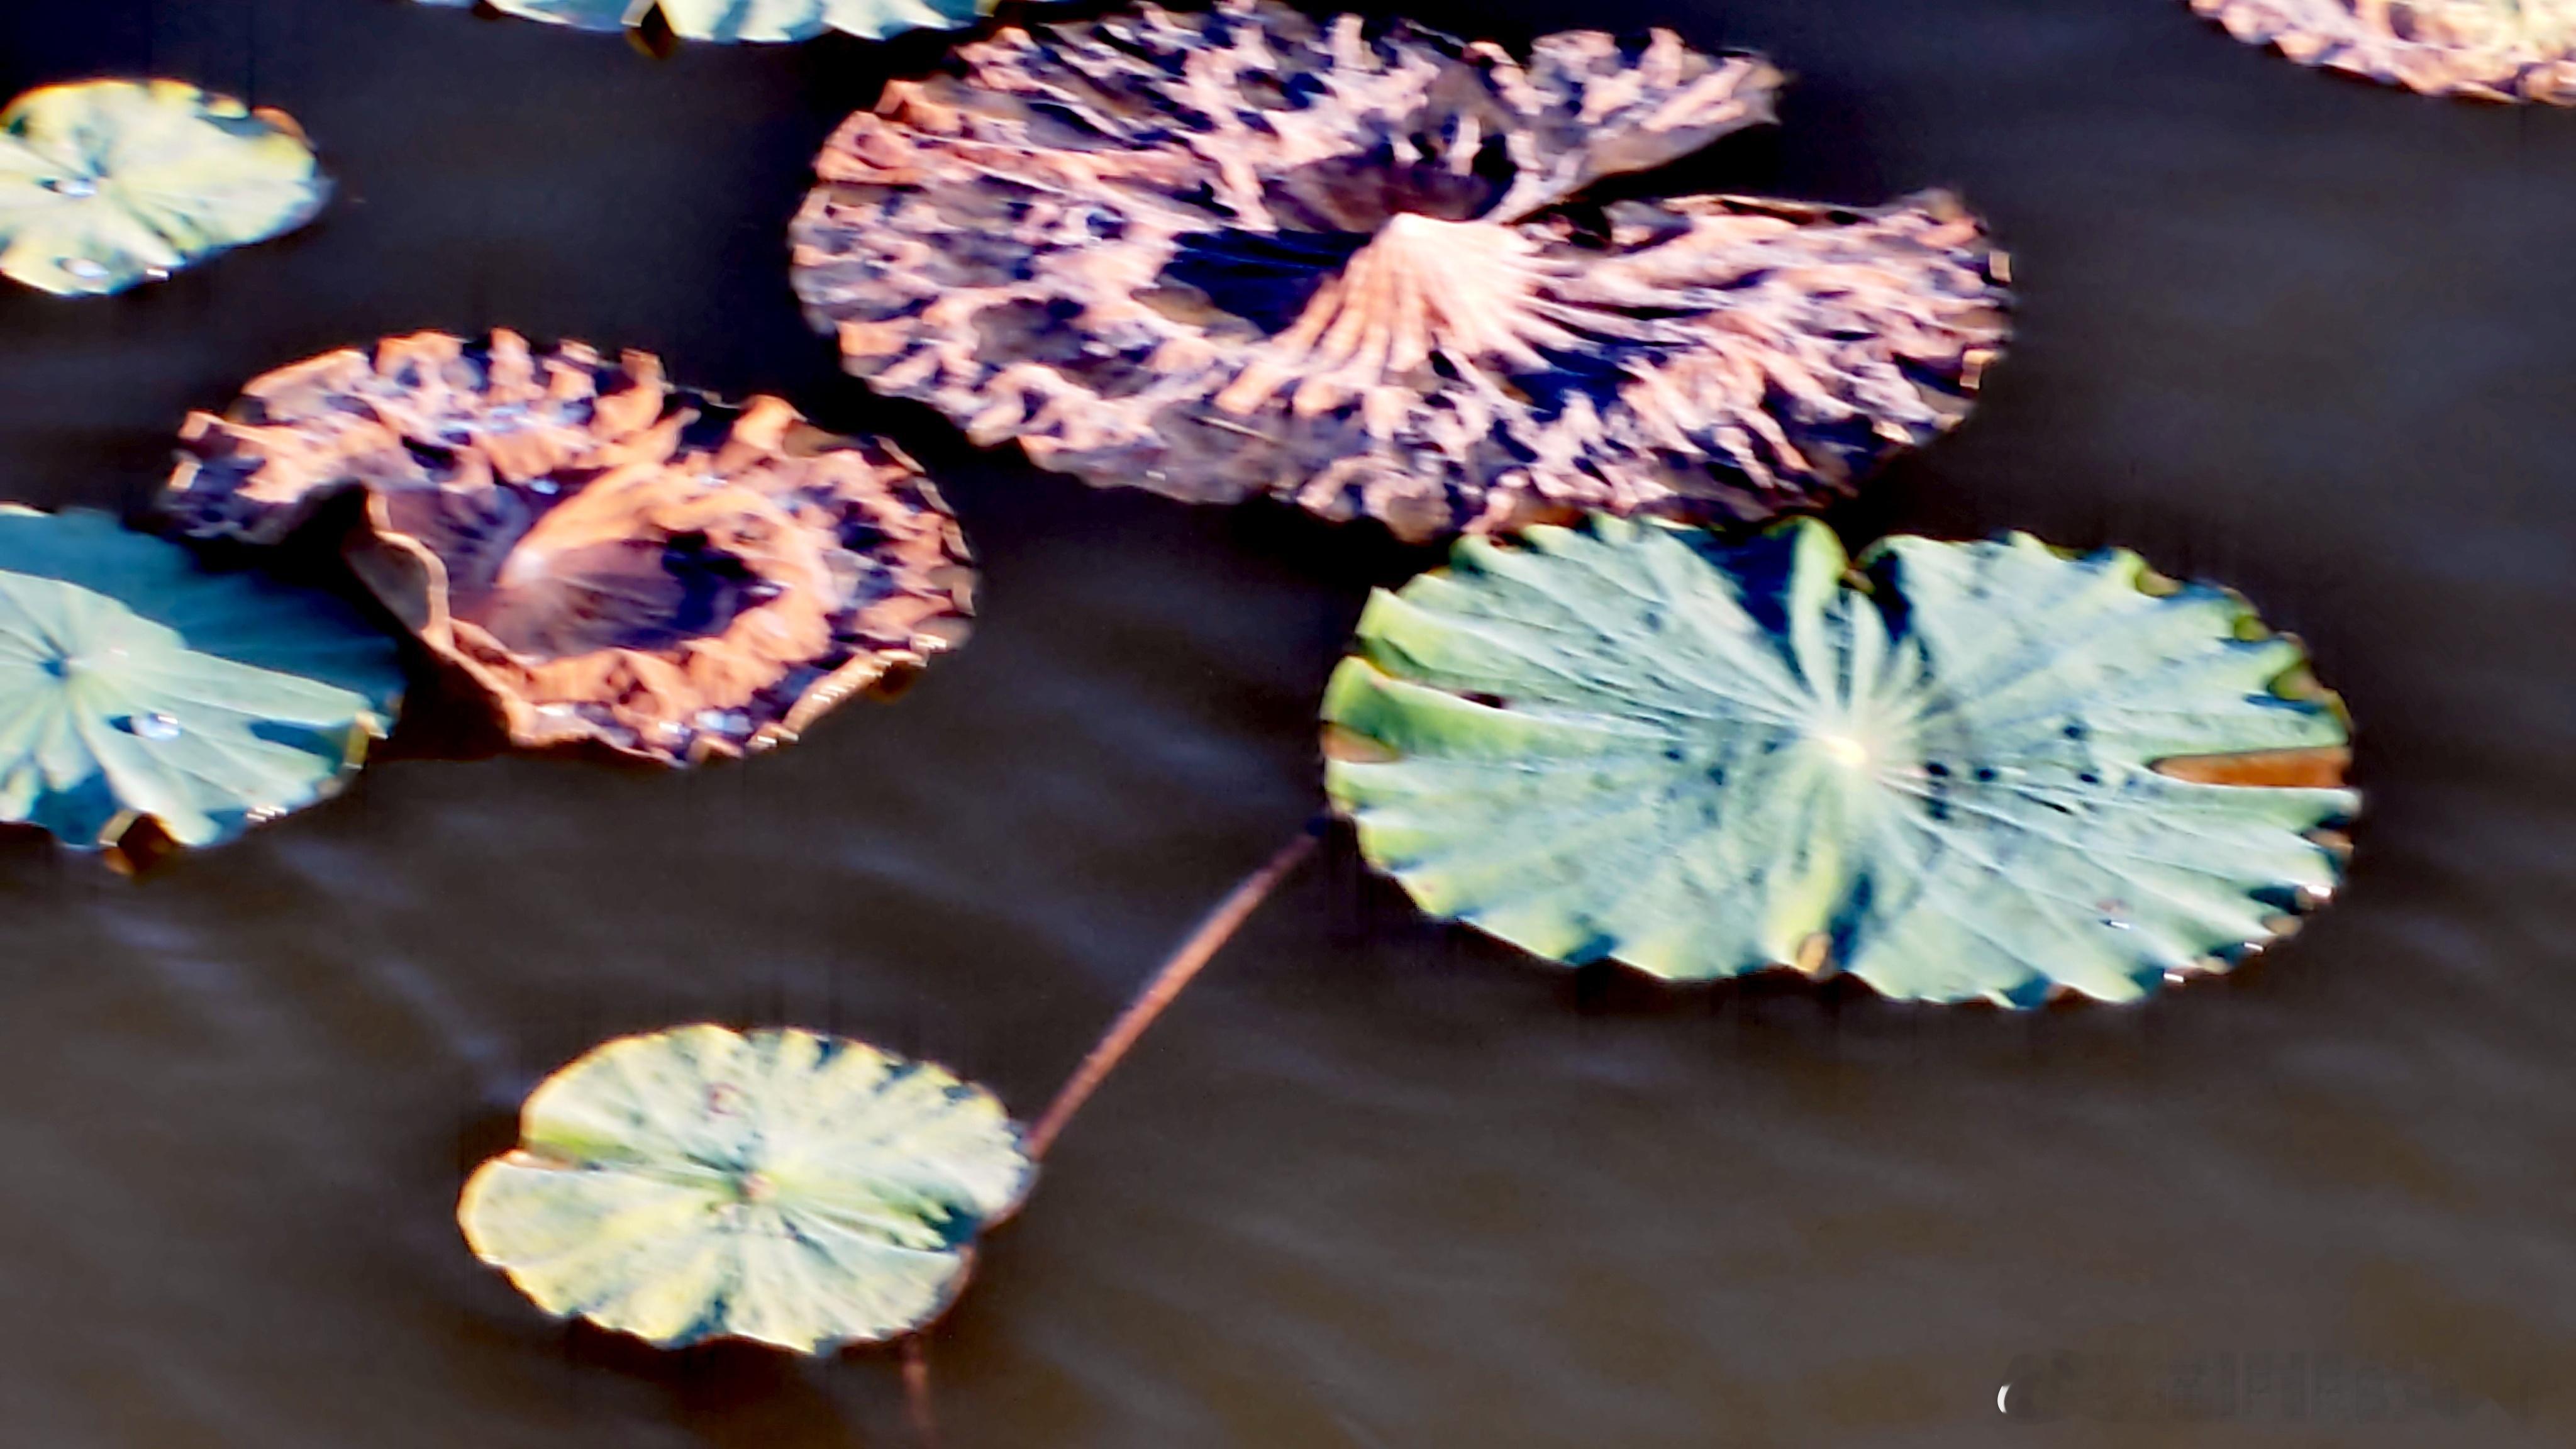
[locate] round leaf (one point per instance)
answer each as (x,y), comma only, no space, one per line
(793,1189)
(1248,251)
(1971,770)
(133,685)
(613,559)
(110,183)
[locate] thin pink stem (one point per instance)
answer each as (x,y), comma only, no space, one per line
(916,1392)
(1185,963)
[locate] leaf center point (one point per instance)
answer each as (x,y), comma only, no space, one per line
(1842,749)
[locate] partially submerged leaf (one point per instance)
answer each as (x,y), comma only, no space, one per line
(2496,50)
(748,20)
(106,184)
(613,559)
(1244,252)
(137,687)
(793,1189)
(1634,741)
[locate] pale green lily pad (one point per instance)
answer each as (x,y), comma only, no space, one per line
(109,183)
(135,685)
(792,1189)
(750,20)
(1965,771)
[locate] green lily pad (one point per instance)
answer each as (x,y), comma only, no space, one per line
(793,1189)
(109,183)
(136,686)
(750,20)
(1984,770)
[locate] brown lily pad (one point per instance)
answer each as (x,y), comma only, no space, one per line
(614,560)
(2495,50)
(1244,252)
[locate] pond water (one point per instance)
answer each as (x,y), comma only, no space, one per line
(1374,1182)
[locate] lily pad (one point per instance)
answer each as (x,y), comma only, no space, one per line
(109,183)
(136,686)
(1251,252)
(792,1189)
(2494,50)
(1983,770)
(610,558)
(749,20)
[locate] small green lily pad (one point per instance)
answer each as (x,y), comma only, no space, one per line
(749,20)
(1984,770)
(792,1189)
(109,183)
(136,686)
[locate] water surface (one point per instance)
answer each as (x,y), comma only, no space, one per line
(1374,1184)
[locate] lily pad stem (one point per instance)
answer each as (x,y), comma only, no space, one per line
(1176,973)
(916,1392)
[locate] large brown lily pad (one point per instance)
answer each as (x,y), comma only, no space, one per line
(1244,252)
(2496,50)
(612,559)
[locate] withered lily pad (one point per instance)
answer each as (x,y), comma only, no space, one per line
(136,686)
(1243,252)
(1983,770)
(109,183)
(2497,50)
(793,1189)
(748,20)
(612,559)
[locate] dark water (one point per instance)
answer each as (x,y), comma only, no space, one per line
(1373,1184)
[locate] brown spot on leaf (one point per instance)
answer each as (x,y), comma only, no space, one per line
(1350,747)
(2320,768)
(1815,955)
